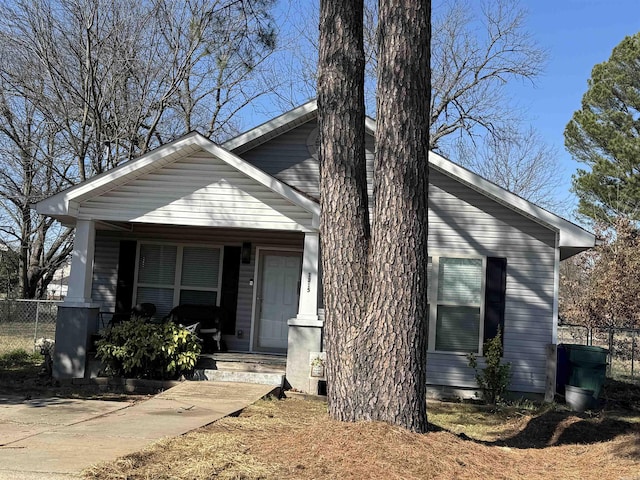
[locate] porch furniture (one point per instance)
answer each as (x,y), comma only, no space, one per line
(145,311)
(210,319)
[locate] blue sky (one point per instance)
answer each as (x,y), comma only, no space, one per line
(577,35)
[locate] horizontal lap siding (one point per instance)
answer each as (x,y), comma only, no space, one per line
(462,220)
(198,190)
(287,158)
(105,272)
(106,261)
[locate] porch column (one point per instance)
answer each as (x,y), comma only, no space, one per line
(308,304)
(305,331)
(77,317)
(80,277)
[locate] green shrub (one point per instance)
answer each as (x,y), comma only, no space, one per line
(138,349)
(19,358)
(494,378)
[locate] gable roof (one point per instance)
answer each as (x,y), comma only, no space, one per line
(64,205)
(279,125)
(572,238)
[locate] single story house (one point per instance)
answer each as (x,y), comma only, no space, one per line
(236,225)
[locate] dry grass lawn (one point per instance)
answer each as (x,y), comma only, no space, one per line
(294,438)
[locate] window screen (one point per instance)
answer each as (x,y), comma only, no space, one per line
(459,301)
(157,264)
(200,267)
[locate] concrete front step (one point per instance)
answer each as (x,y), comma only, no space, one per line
(243,362)
(249,367)
(260,378)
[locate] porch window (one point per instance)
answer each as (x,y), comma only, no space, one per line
(169,275)
(456,298)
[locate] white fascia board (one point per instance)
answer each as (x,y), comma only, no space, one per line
(571,235)
(268,128)
(370,126)
(62,203)
(66,203)
(289,119)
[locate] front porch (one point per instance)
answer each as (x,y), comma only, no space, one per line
(243,362)
(266,281)
(191,223)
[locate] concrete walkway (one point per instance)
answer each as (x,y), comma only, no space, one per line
(56,438)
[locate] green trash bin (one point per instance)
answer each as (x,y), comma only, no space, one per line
(588,367)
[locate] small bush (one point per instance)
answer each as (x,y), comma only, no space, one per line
(138,349)
(494,378)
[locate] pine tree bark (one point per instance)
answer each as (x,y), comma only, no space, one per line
(344,225)
(397,320)
(375,278)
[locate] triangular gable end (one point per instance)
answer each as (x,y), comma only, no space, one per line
(191,181)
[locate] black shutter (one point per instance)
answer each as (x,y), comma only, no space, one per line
(494,300)
(126,272)
(229,294)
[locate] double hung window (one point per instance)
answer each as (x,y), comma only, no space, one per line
(456,303)
(170,275)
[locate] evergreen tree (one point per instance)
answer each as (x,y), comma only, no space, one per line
(605,135)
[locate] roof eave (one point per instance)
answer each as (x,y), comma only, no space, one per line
(267,130)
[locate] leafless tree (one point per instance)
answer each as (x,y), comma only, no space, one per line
(601,287)
(473,57)
(88,84)
(521,162)
(476,49)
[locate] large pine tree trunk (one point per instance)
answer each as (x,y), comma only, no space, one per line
(375,282)
(344,226)
(397,324)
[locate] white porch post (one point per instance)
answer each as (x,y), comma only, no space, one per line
(305,331)
(308,305)
(80,277)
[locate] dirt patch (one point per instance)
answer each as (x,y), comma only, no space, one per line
(294,438)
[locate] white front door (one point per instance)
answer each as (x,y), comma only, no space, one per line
(277,299)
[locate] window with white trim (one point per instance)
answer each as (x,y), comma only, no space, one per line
(456,303)
(170,275)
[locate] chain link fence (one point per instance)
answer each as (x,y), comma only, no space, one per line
(24,321)
(623,345)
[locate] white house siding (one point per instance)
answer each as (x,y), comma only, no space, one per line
(107,250)
(198,190)
(462,220)
(287,158)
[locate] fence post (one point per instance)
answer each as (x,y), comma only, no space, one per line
(35,328)
(610,350)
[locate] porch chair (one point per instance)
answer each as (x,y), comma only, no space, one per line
(144,310)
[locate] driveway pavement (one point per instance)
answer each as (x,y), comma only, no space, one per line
(55,438)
